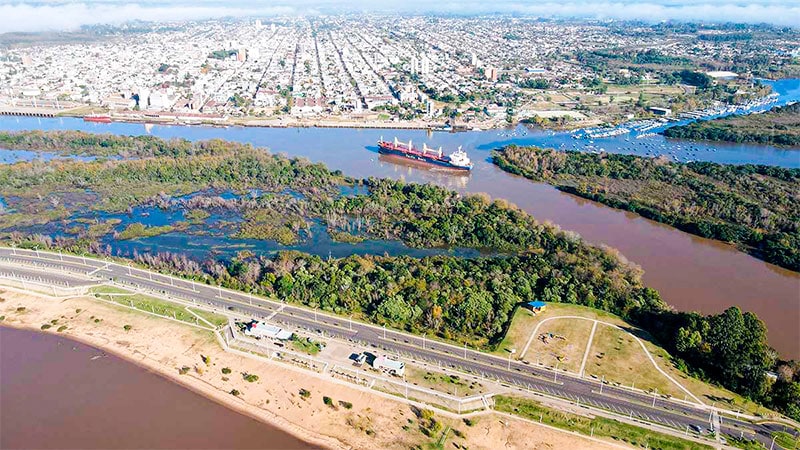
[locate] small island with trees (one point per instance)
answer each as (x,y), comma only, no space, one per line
(755,207)
(778,126)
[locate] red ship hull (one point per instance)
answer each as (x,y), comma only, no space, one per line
(400,149)
(98,119)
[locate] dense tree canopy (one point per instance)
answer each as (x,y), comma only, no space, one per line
(779,126)
(755,206)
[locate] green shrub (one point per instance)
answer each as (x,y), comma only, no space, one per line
(304,393)
(61,328)
(127,327)
(46,326)
(249,377)
(346,405)
(226,370)
(184,370)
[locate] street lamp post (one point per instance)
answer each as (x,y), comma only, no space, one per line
(423,340)
(510,353)
(555,372)
(602,379)
(384,331)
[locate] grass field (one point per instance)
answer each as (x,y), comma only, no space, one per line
(457,385)
(565,348)
(595,426)
(156,306)
(525,321)
(617,356)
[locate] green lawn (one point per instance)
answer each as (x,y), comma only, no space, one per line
(461,385)
(307,345)
(617,356)
(154,305)
(563,345)
(595,426)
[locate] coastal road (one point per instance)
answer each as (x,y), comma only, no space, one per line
(679,415)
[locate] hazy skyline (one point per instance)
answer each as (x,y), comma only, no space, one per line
(70,15)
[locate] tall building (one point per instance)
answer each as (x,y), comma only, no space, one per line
(474,61)
(492,73)
(414,64)
(258,23)
(241,55)
(425,66)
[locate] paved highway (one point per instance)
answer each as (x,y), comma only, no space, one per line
(633,404)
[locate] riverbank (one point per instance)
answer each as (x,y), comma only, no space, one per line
(164,347)
(749,206)
(691,273)
(779,126)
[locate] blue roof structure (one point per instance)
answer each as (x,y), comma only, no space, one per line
(537,304)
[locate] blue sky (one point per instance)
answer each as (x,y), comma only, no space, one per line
(16,15)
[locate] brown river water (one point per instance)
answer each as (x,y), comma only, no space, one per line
(54,395)
(690,273)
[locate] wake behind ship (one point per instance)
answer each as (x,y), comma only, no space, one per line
(458,160)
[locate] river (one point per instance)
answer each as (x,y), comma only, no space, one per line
(59,393)
(690,272)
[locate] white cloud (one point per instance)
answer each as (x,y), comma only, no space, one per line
(67,15)
(70,16)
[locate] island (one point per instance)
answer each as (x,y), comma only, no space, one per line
(755,207)
(778,126)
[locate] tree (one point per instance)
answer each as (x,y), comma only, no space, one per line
(739,350)
(395,309)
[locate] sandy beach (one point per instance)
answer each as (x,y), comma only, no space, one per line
(164,347)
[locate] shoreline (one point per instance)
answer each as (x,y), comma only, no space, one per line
(198,387)
(159,349)
(431,126)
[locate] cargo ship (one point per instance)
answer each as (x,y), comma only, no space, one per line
(99,118)
(458,160)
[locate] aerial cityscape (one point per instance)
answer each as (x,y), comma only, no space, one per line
(400,225)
